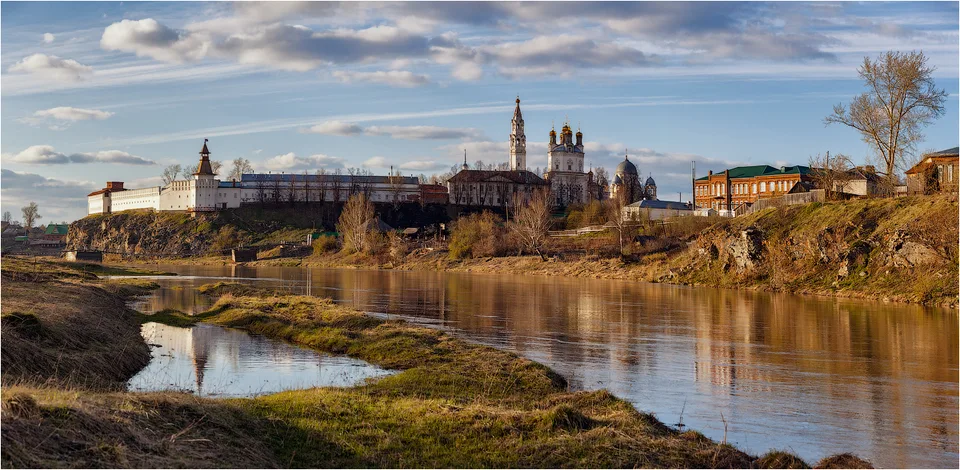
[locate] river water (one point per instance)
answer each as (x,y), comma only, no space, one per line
(813,376)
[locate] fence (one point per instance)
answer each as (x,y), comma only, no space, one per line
(815,195)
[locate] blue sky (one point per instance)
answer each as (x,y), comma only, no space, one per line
(119,90)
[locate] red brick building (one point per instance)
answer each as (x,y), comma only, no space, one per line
(737,188)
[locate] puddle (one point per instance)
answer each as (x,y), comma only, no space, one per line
(213,361)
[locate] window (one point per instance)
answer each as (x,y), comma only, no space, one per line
(763,187)
(940,173)
(950,173)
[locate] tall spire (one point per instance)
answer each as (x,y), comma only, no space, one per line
(204,167)
(465,166)
(518,141)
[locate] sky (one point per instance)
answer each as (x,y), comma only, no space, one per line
(91,92)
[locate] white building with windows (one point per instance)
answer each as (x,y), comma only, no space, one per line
(568,182)
(205,193)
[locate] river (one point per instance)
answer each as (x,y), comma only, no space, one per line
(813,376)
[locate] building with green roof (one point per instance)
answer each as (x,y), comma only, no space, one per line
(736,189)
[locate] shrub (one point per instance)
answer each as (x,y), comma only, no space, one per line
(324,244)
(225,239)
(477,235)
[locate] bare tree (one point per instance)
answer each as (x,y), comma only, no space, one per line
(351,225)
(261,190)
(322,185)
(396,186)
(171,173)
(276,191)
(901,98)
(531,223)
(601,181)
(618,219)
(831,173)
(239,168)
(31,214)
(7,217)
(337,189)
(215,165)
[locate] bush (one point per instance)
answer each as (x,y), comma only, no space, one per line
(477,235)
(225,239)
(324,243)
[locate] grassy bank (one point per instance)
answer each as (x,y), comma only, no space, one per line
(902,249)
(63,326)
(451,404)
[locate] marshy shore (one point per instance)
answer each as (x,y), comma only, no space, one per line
(452,403)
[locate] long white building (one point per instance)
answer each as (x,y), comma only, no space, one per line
(205,193)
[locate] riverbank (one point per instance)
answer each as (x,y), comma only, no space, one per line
(453,404)
(896,250)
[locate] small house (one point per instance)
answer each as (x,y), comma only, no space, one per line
(656,210)
(936,172)
(56,232)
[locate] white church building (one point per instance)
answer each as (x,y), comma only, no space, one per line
(206,193)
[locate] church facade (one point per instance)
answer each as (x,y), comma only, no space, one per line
(498,188)
(626,184)
(568,182)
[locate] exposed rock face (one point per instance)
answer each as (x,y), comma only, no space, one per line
(746,250)
(905,252)
(143,233)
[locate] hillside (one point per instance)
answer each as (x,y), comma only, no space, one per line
(182,235)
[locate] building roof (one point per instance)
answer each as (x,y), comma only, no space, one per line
(945,153)
(762,170)
(626,167)
(928,159)
(57,229)
(204,167)
(650,181)
(477,176)
(252,178)
(517,116)
(671,205)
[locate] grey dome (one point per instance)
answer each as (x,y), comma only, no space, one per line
(626,167)
(650,181)
(616,179)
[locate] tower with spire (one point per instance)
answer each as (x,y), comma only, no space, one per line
(518,141)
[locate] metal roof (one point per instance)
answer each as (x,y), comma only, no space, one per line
(288,177)
(761,170)
(672,205)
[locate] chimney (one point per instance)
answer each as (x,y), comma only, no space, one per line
(710,173)
(115,185)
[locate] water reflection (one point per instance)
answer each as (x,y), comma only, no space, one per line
(814,376)
(213,361)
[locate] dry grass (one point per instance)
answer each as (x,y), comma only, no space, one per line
(62,327)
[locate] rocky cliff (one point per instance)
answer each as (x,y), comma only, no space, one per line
(145,233)
(900,249)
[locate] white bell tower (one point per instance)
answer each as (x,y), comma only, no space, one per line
(518,141)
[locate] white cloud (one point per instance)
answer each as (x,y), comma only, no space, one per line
(423,132)
(291,162)
(376,162)
(67,113)
(58,199)
(60,118)
(48,38)
(149,38)
(53,67)
(47,155)
(334,128)
(424,165)
(39,155)
(397,132)
(561,55)
(110,156)
(394,78)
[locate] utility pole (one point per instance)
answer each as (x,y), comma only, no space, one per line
(693,182)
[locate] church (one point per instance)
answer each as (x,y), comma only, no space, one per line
(626,184)
(564,174)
